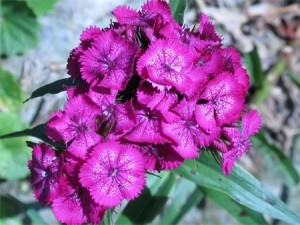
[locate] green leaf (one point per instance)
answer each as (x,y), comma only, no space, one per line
(40,7)
(240,186)
(186,196)
(20,206)
(38,132)
(150,203)
(254,67)
(10,91)
(13,153)
(241,213)
(19,29)
(54,88)
(295,78)
(177,8)
(276,159)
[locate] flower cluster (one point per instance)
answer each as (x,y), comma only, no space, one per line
(153,94)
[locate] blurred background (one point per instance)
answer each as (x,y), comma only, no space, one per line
(36,39)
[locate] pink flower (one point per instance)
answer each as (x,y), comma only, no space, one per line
(167,64)
(45,172)
(75,206)
(154,8)
(187,133)
(109,62)
(148,128)
(155,99)
(114,117)
(240,142)
(113,172)
(207,30)
(89,34)
(126,15)
(77,124)
(161,157)
(221,102)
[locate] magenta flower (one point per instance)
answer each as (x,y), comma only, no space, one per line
(187,133)
(126,15)
(146,17)
(77,124)
(207,30)
(167,64)
(220,103)
(161,157)
(113,172)
(109,62)
(45,172)
(75,206)
(148,128)
(240,142)
(89,34)
(114,117)
(155,99)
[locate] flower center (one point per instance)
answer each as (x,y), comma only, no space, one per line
(113,172)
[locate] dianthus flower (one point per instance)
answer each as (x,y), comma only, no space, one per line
(109,61)
(151,94)
(45,172)
(113,172)
(75,125)
(240,142)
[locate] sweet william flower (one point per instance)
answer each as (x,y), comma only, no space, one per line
(113,172)
(148,128)
(167,64)
(109,61)
(240,142)
(221,102)
(76,125)
(45,173)
(187,133)
(75,206)
(161,157)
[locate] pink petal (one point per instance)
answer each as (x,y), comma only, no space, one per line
(161,157)
(126,15)
(57,127)
(90,33)
(68,208)
(242,77)
(151,9)
(185,138)
(251,122)
(228,162)
(148,128)
(231,59)
(83,142)
(155,99)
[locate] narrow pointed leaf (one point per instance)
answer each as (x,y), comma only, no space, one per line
(254,67)
(185,197)
(54,88)
(177,8)
(38,132)
(240,186)
(276,159)
(241,213)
